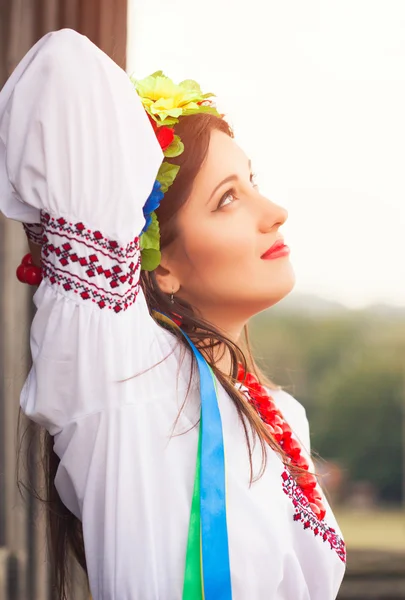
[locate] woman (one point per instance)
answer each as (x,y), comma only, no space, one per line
(137,335)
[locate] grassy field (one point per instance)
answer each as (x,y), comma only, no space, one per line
(373,529)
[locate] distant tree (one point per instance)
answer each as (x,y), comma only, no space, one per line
(361,424)
(348,369)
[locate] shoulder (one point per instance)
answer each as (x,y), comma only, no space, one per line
(294,413)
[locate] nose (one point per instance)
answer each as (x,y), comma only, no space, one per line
(272,216)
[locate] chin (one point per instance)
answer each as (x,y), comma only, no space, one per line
(280,289)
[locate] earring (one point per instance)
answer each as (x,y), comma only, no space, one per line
(172,298)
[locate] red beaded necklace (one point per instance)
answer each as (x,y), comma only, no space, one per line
(280,430)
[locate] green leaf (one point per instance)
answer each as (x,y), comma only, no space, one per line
(150,246)
(202,109)
(150,239)
(166,175)
(150,259)
(191,85)
(175,149)
(158,74)
(158,108)
(167,121)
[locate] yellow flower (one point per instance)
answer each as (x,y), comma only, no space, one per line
(166,101)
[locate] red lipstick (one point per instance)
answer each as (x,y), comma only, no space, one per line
(277,250)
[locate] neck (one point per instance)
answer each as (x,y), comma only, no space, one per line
(225,324)
(220,355)
(223,360)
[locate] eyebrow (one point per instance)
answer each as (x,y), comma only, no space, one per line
(227,180)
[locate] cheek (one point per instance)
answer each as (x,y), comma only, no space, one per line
(219,249)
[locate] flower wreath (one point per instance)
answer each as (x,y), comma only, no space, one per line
(165,102)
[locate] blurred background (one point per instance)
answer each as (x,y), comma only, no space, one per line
(315,91)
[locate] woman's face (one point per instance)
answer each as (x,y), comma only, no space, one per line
(217,261)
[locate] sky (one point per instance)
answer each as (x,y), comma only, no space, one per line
(315,91)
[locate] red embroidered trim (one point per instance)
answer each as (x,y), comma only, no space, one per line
(304,514)
(33,231)
(258,396)
(89,264)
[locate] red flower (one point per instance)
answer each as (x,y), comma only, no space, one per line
(165,136)
(282,433)
(241,373)
(302,463)
(152,122)
(177,319)
(292,448)
(278,433)
(308,481)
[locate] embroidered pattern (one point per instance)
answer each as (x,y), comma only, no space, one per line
(305,515)
(33,231)
(88,264)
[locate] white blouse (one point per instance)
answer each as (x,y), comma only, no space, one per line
(78,155)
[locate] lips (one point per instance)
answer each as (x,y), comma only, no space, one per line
(277,250)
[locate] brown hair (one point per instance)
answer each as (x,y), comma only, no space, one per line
(65,530)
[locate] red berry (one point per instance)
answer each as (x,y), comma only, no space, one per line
(33,275)
(21,273)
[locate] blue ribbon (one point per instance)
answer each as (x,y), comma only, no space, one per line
(152,203)
(214,531)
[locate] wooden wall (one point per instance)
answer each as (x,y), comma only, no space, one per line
(24,571)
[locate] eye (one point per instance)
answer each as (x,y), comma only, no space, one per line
(227,198)
(230,195)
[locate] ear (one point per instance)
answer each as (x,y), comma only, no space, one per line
(166,279)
